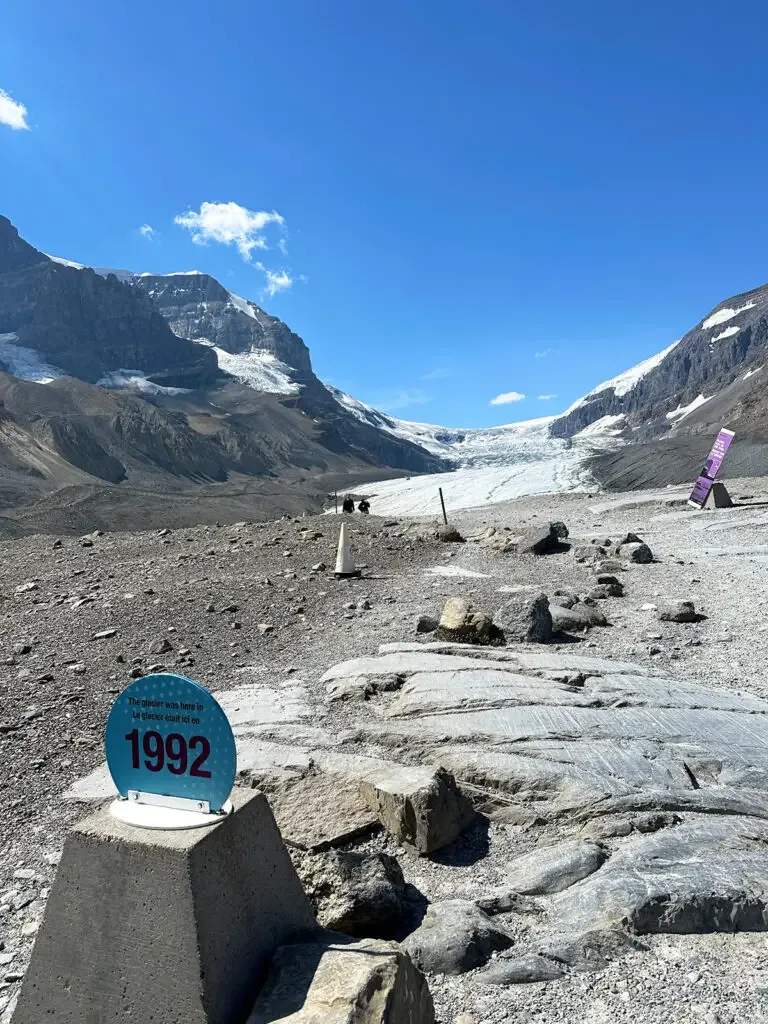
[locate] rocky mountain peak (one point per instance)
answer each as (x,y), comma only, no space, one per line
(15,253)
(198,307)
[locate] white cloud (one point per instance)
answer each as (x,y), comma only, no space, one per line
(12,113)
(544,353)
(277,280)
(229,224)
(506,398)
(437,374)
(393,400)
(147,231)
(546,398)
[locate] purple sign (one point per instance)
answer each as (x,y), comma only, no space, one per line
(704,481)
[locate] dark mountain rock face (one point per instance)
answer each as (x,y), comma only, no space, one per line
(88,325)
(196,306)
(711,360)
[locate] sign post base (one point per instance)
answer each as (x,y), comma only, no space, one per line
(719,496)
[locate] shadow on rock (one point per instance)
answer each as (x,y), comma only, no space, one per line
(471,846)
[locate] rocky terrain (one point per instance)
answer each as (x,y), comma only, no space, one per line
(558,805)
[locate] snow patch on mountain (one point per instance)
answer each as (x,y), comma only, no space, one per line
(606,426)
(25,362)
(724,315)
(242,304)
(727,333)
(258,369)
(65,263)
(685,410)
(136,380)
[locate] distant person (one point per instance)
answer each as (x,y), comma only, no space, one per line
(348,504)
(364,507)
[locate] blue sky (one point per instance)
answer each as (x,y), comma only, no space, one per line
(477,197)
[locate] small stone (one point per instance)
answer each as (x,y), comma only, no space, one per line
(525,619)
(676,611)
(265,627)
(25,588)
(449,534)
(319,567)
(78,669)
(24,873)
(636,552)
(105,634)
(86,542)
(29,928)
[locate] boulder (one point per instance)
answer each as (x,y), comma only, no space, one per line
(521,970)
(564,599)
(551,869)
(361,894)
(605,590)
(676,611)
(629,538)
(421,807)
(541,541)
(455,936)
(455,614)
(635,552)
(525,619)
(559,529)
(449,534)
(458,621)
(579,618)
(334,981)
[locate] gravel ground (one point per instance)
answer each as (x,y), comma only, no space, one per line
(207,590)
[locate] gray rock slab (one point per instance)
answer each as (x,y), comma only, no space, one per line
(479,688)
(253,707)
(551,869)
(519,658)
(455,936)
(322,810)
(570,740)
(334,981)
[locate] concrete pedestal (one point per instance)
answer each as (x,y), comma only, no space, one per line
(172,927)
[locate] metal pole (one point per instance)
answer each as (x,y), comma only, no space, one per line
(336,501)
(442,502)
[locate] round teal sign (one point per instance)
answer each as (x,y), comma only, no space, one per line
(167,735)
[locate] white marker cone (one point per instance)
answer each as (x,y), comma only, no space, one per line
(345,563)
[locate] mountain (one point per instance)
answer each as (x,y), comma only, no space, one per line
(170,381)
(711,376)
(667,409)
(55,320)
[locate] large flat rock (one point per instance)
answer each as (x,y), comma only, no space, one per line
(569,740)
